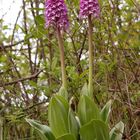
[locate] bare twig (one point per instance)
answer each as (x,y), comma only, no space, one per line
(21,79)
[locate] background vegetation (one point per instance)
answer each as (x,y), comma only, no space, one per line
(30,68)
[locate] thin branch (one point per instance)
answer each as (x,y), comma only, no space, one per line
(21,79)
(11,45)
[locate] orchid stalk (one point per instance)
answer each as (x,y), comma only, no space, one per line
(61,48)
(89,9)
(90,56)
(56,16)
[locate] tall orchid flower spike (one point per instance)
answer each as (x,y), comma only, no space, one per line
(89,8)
(56,16)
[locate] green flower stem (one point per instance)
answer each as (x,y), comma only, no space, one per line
(61,49)
(90,56)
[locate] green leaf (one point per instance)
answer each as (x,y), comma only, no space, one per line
(130,2)
(87,110)
(58,115)
(40,19)
(73,124)
(117,131)
(54,63)
(63,92)
(44,130)
(100,3)
(95,130)
(40,135)
(85,90)
(106,111)
(66,137)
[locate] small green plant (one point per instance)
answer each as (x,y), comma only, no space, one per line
(87,123)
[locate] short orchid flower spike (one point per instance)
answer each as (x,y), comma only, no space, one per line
(89,7)
(56,14)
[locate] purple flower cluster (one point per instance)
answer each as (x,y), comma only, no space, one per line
(89,7)
(56,14)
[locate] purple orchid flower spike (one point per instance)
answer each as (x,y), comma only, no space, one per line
(56,14)
(89,7)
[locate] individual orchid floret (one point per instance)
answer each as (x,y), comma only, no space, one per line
(56,14)
(89,7)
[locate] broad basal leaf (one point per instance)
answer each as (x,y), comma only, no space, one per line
(87,110)
(117,131)
(106,111)
(45,131)
(94,130)
(58,115)
(66,137)
(73,124)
